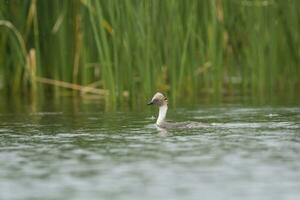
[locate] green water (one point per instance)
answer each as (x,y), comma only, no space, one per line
(77,151)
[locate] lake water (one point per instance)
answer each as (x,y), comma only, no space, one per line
(81,152)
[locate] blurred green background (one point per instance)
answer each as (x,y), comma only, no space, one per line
(123,51)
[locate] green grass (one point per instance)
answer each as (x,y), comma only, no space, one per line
(187,49)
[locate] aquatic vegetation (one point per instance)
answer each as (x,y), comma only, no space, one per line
(124,49)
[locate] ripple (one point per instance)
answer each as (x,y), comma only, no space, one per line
(246,153)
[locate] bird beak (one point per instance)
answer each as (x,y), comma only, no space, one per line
(150,103)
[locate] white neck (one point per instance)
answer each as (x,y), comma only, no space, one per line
(162,114)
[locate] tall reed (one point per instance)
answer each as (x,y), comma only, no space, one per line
(133,48)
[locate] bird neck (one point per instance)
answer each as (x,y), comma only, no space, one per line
(162,114)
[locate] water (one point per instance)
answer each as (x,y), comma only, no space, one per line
(85,153)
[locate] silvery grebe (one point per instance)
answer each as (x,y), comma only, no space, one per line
(162,102)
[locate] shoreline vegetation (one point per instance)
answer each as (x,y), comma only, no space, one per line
(122,51)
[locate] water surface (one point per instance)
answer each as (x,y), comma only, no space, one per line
(247,153)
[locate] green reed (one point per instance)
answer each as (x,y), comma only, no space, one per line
(133,48)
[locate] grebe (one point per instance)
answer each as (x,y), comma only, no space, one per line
(162,102)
